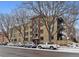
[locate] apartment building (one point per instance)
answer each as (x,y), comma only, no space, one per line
(36,31)
(3,39)
(58,30)
(17,36)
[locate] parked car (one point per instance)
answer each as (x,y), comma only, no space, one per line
(48,46)
(73,45)
(20,45)
(10,44)
(3,43)
(30,45)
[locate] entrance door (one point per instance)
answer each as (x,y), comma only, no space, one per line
(36,41)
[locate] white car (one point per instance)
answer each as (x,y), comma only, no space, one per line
(20,44)
(73,45)
(10,44)
(48,46)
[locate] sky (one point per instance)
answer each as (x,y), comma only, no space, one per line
(7,6)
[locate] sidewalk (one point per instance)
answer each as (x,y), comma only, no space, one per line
(69,49)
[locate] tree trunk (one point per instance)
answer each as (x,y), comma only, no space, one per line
(8,39)
(49,33)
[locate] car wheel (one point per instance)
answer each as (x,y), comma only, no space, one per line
(39,47)
(52,48)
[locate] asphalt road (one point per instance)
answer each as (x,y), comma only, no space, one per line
(17,52)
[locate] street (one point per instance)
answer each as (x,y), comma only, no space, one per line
(17,52)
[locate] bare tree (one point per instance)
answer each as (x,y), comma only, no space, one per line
(21,20)
(71,19)
(55,9)
(6,23)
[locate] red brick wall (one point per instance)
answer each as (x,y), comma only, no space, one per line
(3,39)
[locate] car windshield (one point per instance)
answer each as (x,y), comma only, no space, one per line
(42,43)
(51,43)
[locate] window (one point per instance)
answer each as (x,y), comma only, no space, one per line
(36,34)
(26,39)
(14,35)
(41,31)
(26,33)
(30,26)
(31,33)
(41,38)
(30,38)
(52,37)
(12,40)
(35,30)
(15,39)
